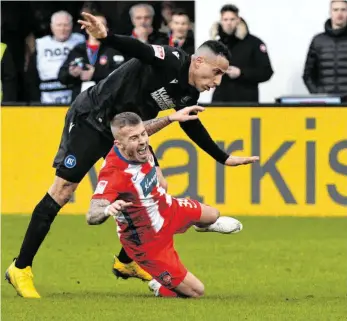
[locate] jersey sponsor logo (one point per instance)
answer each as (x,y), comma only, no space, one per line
(174,81)
(70,161)
(57,52)
(163,100)
(149,182)
(166,278)
(176,53)
(159,51)
(100,188)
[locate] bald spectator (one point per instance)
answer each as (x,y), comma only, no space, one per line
(44,65)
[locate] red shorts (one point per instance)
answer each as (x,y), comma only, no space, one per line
(160,259)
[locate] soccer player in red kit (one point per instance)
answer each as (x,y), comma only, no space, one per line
(147,217)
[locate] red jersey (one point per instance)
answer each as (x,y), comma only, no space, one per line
(134,182)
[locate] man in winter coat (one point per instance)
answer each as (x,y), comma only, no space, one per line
(326,64)
(250,63)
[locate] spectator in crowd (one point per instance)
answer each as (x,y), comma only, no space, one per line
(167,7)
(250,63)
(326,65)
(88,63)
(44,65)
(181,36)
(142,19)
(8,76)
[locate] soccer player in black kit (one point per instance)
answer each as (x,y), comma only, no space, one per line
(156,79)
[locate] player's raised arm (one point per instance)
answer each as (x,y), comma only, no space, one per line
(129,46)
(199,135)
(186,114)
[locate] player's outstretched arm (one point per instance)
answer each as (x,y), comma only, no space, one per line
(127,45)
(200,136)
(188,113)
(101,209)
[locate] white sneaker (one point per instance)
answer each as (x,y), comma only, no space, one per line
(154,286)
(224,225)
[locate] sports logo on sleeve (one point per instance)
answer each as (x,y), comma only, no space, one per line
(159,51)
(100,188)
(263,48)
(70,161)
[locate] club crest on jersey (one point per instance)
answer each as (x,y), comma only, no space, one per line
(166,278)
(70,161)
(149,182)
(103,60)
(163,100)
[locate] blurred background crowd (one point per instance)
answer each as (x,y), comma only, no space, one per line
(47,59)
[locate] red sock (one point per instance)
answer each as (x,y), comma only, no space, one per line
(164,292)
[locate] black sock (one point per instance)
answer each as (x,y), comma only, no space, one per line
(40,223)
(123,257)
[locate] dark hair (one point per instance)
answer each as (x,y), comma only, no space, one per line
(229,7)
(125,119)
(217,48)
(180,12)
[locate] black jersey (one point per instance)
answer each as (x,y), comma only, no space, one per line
(155,79)
(145,89)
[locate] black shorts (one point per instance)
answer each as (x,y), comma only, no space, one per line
(81,146)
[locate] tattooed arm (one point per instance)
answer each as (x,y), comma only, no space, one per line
(101,209)
(154,125)
(96,214)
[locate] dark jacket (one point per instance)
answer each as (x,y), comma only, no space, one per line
(189,44)
(158,38)
(107,60)
(326,63)
(8,77)
(248,53)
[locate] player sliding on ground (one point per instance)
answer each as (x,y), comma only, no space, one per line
(158,78)
(147,217)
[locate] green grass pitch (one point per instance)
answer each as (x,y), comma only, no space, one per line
(276,269)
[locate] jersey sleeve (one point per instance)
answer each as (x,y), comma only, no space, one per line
(108,185)
(150,54)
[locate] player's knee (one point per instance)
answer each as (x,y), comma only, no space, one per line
(197,291)
(61,190)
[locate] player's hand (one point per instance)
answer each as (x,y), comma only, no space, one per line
(118,206)
(233,72)
(87,75)
(236,161)
(94,27)
(75,71)
(184,114)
